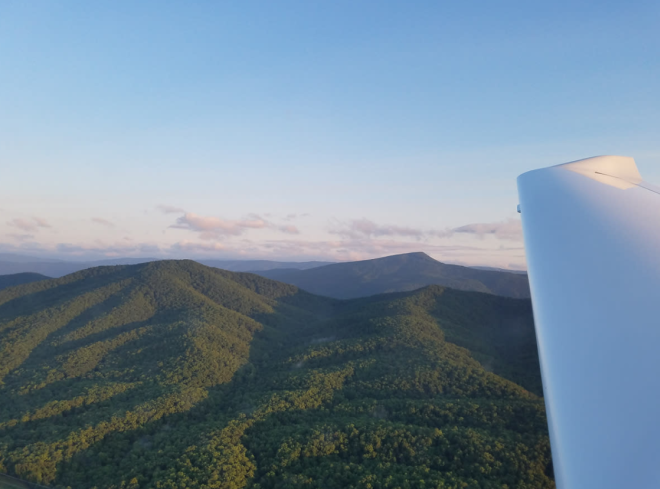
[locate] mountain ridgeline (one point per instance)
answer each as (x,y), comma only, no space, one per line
(20,279)
(261,265)
(172,374)
(399,273)
(11,263)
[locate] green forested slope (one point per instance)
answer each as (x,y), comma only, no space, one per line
(175,375)
(399,273)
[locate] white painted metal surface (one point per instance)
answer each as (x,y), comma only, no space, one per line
(592,238)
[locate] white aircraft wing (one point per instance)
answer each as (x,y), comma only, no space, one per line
(592,238)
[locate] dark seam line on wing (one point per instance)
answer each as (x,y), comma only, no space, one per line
(641,185)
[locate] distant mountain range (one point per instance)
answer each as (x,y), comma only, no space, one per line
(12,264)
(15,258)
(399,273)
(494,269)
(20,279)
(172,374)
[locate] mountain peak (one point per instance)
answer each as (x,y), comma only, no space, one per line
(416,256)
(419,255)
(399,273)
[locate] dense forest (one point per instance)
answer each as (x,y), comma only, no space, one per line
(171,375)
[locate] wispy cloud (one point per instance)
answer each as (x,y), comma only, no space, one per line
(195,247)
(341,249)
(288,229)
(21,237)
(169,209)
(292,217)
(42,223)
(29,225)
(103,222)
(356,239)
(362,249)
(364,228)
(100,248)
(210,227)
(509,229)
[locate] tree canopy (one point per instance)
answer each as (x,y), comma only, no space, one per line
(174,375)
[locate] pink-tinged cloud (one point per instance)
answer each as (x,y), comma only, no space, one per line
(103,222)
(285,249)
(510,229)
(42,223)
(364,228)
(352,240)
(291,217)
(29,225)
(366,248)
(119,249)
(214,226)
(211,228)
(21,237)
(195,247)
(289,229)
(169,209)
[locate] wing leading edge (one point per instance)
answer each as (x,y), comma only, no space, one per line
(592,238)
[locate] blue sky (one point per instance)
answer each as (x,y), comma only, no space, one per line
(307,129)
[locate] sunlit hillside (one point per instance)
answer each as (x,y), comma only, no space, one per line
(174,375)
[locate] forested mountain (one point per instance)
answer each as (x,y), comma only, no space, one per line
(399,273)
(20,279)
(171,374)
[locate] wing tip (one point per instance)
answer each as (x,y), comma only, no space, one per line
(619,171)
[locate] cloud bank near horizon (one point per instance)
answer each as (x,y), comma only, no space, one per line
(508,229)
(213,228)
(256,236)
(31,225)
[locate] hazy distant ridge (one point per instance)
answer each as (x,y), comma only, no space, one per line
(20,279)
(399,273)
(261,265)
(12,264)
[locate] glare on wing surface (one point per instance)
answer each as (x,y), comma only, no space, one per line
(592,238)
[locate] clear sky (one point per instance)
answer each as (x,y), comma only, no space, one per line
(308,129)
